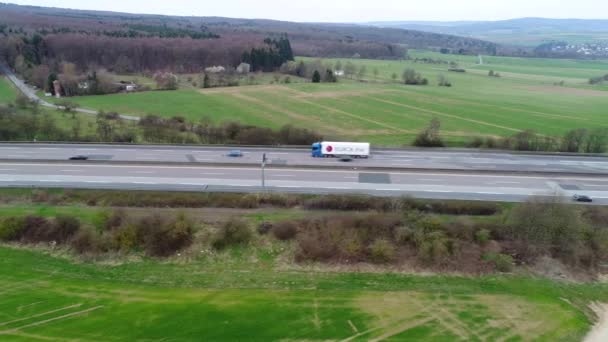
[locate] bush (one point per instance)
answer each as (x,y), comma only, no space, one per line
(264,228)
(482,236)
(63,228)
(548,228)
(87,241)
(126,237)
(233,232)
(501,262)
(11,227)
(285,230)
(162,240)
(429,137)
(382,251)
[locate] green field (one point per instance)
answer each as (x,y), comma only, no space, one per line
(7,92)
(388,113)
(44,297)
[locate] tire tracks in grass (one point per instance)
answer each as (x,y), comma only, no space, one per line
(291,114)
(453,116)
(35,324)
(354,116)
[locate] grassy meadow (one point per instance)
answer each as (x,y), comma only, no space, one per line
(7,91)
(528,95)
(44,296)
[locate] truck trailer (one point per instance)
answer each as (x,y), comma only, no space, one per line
(329,149)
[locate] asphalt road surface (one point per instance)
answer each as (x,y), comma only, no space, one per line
(440,185)
(398,159)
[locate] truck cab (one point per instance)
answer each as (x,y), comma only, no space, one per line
(317,151)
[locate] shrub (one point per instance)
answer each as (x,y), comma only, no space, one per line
(125,238)
(429,137)
(548,228)
(36,229)
(264,227)
(433,246)
(163,240)
(477,142)
(87,241)
(501,262)
(482,236)
(285,230)
(63,228)
(382,251)
(233,232)
(11,227)
(404,235)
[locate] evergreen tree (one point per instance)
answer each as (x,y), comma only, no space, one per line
(316,77)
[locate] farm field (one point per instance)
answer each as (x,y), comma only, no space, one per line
(388,113)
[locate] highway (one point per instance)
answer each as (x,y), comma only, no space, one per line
(440,185)
(391,159)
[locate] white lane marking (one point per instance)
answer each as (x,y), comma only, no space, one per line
(195,184)
(497,183)
(49,148)
(430,180)
(49,180)
(282,175)
(97,182)
(212,174)
(349,177)
(8,169)
(14,155)
(143,172)
(72,170)
(7,180)
(198,159)
(87,149)
(143,183)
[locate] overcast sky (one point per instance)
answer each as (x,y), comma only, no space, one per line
(348,10)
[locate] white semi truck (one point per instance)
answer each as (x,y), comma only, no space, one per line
(340,149)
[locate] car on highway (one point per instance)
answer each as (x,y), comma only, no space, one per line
(345,158)
(79,158)
(235,153)
(582,198)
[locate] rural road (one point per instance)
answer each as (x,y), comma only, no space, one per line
(439,185)
(389,159)
(31,94)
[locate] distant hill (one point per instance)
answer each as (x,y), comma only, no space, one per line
(308,39)
(523,31)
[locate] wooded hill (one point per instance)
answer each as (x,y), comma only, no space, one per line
(138,42)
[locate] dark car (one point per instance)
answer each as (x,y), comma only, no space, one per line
(582,198)
(345,158)
(235,153)
(79,158)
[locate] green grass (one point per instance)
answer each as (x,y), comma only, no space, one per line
(7,91)
(387,113)
(46,297)
(254,293)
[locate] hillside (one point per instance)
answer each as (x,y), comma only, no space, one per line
(314,40)
(530,32)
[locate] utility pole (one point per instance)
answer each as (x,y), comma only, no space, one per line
(263,167)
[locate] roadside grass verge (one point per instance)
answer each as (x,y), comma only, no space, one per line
(54,298)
